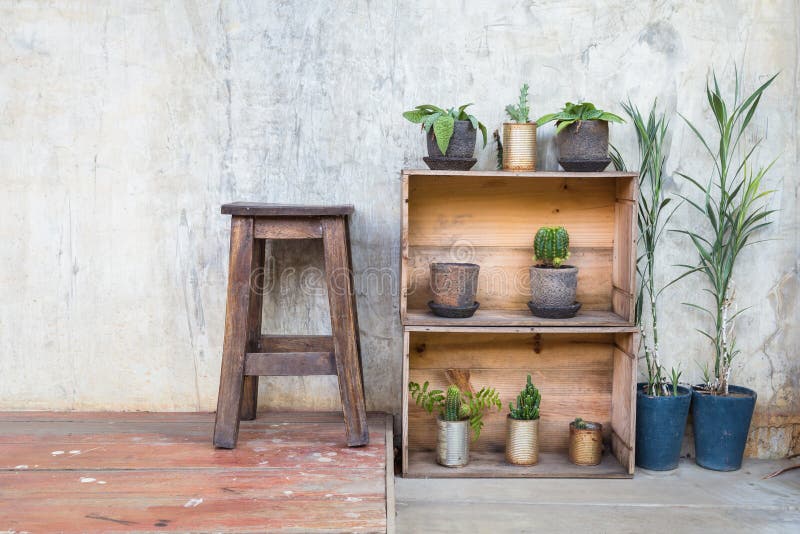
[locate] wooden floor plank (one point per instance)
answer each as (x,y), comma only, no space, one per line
(77,472)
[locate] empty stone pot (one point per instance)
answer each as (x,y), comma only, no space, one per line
(454,284)
(553,291)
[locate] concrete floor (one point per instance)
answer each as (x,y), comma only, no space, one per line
(689,499)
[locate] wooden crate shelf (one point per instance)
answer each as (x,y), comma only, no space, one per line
(584,366)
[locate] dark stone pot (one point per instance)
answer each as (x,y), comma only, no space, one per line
(552,286)
(583,140)
(660,425)
(462,144)
(454,284)
(721,424)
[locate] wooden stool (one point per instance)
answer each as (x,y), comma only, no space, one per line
(246,354)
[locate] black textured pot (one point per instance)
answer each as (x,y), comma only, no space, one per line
(462,144)
(721,424)
(583,146)
(660,424)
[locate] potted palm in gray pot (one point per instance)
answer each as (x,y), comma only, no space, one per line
(733,204)
(581,136)
(450,135)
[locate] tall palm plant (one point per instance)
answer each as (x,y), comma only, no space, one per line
(733,204)
(652,218)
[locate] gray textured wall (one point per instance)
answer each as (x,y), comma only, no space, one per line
(124,126)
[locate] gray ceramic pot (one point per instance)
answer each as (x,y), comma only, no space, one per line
(462,144)
(454,284)
(583,140)
(553,287)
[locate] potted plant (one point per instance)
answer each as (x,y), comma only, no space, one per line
(522,428)
(451,135)
(458,412)
(454,286)
(582,136)
(585,442)
(733,204)
(519,136)
(661,410)
(553,285)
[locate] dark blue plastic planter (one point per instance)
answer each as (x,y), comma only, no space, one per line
(660,424)
(720,427)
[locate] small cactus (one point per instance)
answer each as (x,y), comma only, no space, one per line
(580,424)
(551,246)
(527,403)
(452,404)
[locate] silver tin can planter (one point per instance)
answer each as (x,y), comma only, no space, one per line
(522,441)
(452,445)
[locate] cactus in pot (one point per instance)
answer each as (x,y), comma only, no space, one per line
(522,427)
(553,284)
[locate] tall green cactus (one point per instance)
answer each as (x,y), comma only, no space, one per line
(527,403)
(452,404)
(551,246)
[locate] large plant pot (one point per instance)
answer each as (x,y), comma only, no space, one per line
(522,441)
(583,146)
(460,151)
(660,425)
(553,291)
(519,146)
(454,286)
(452,444)
(721,424)
(586,444)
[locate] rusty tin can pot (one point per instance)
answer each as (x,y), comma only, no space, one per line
(586,445)
(522,441)
(519,146)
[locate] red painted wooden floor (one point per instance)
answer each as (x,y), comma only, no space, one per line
(101,472)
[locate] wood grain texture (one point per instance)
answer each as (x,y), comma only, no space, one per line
(493,465)
(521,174)
(517,318)
(283,228)
(289,363)
(157,472)
(259,209)
(235,341)
(344,328)
(249,404)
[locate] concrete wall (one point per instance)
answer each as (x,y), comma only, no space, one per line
(124,126)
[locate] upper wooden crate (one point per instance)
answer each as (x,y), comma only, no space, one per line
(491,217)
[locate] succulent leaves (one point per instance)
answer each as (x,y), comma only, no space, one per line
(551,246)
(519,113)
(582,111)
(527,403)
(443,122)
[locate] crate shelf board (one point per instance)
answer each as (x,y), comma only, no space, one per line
(520,174)
(422,464)
(591,318)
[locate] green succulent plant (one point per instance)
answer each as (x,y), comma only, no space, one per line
(457,405)
(551,246)
(519,113)
(572,113)
(527,403)
(443,121)
(580,424)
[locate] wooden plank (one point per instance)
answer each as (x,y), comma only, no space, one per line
(260,209)
(270,343)
(504,280)
(344,327)
(289,363)
(226,427)
(474,211)
(404,404)
(623,405)
(404,252)
(282,228)
(522,329)
(623,275)
(127,419)
(493,465)
(390,504)
(249,405)
(520,174)
(628,188)
(490,317)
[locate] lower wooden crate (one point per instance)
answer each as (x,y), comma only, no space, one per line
(589,374)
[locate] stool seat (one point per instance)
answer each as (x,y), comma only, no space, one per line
(248,354)
(260,209)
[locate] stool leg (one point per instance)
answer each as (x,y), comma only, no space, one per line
(344,326)
(250,391)
(226,426)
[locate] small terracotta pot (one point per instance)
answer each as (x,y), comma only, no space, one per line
(454,284)
(586,445)
(519,146)
(522,441)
